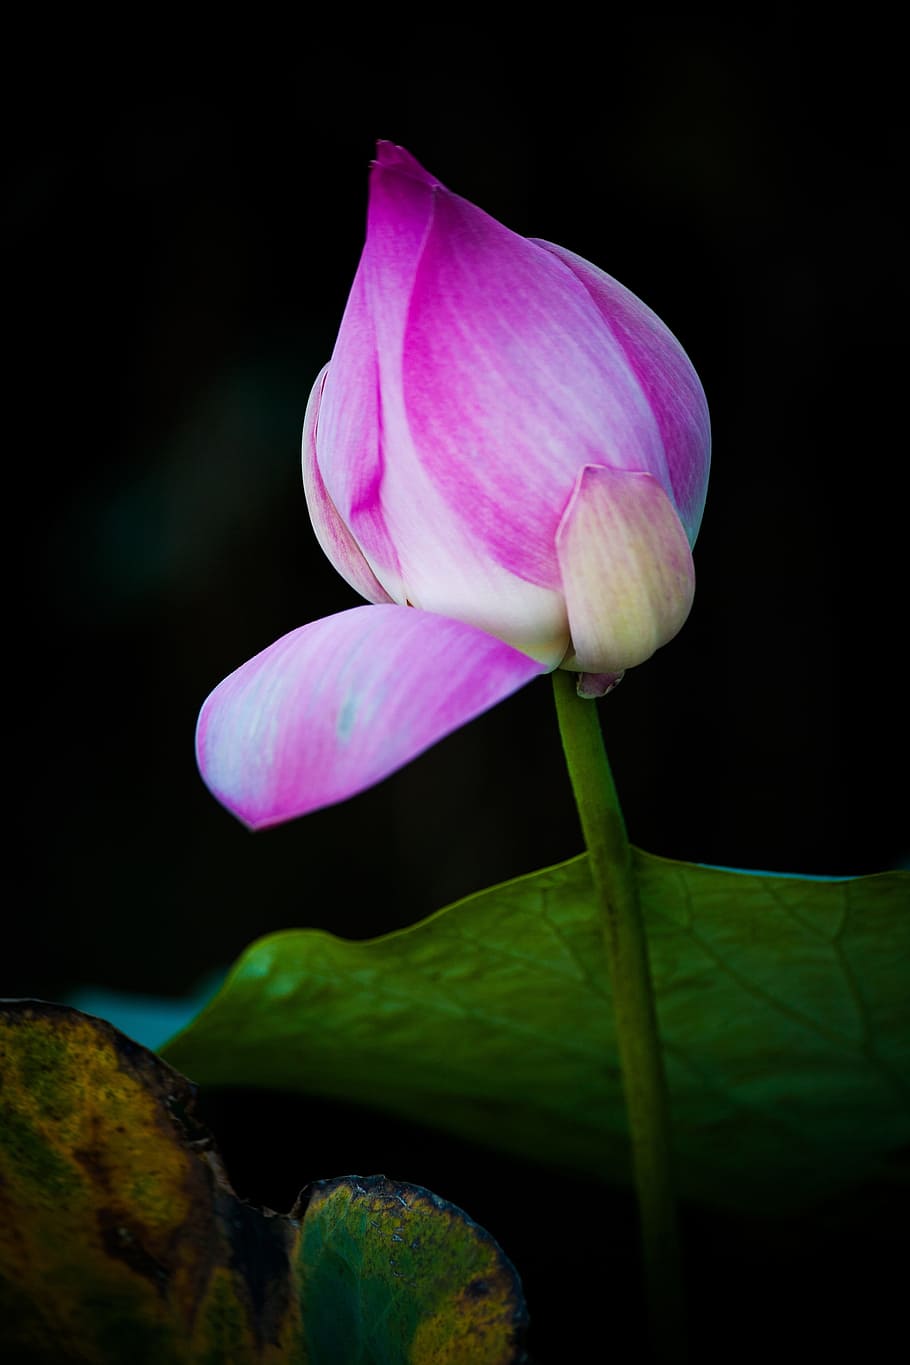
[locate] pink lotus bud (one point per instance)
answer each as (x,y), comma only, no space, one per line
(505,438)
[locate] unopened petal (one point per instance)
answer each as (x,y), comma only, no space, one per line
(496,371)
(334,707)
(331,532)
(347,441)
(512,382)
(389,154)
(668,380)
(626,567)
(447,563)
(421,548)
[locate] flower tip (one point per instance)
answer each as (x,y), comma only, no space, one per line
(386,152)
(391,157)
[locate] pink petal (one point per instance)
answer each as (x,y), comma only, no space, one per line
(627,570)
(389,155)
(510,380)
(347,443)
(331,532)
(668,380)
(337,705)
(442,564)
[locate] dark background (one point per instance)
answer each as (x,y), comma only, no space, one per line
(183,231)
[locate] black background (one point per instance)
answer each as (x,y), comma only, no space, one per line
(183,228)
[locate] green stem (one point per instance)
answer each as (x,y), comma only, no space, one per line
(640,1058)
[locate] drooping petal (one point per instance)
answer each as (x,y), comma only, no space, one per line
(668,379)
(337,705)
(627,569)
(334,537)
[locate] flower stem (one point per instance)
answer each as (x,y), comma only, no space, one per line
(640,1058)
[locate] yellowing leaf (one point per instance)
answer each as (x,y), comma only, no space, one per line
(122,1241)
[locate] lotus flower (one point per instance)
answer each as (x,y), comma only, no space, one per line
(506,440)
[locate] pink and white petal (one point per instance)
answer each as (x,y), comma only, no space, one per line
(446,565)
(386,497)
(333,536)
(347,439)
(337,705)
(511,382)
(627,570)
(349,446)
(401,208)
(447,570)
(668,379)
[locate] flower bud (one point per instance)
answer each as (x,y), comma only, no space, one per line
(506,436)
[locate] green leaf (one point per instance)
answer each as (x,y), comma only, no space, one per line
(121,1239)
(783,1004)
